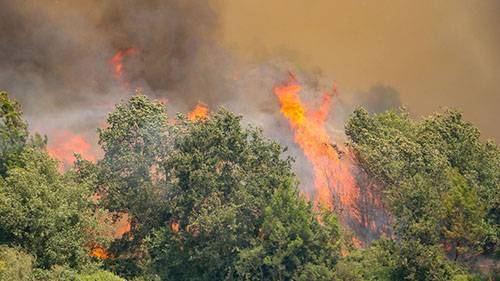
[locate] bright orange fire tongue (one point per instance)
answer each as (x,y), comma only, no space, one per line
(331,176)
(199,112)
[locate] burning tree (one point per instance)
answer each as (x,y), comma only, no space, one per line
(207,196)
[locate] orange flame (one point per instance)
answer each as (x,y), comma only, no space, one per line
(99,253)
(199,112)
(117,60)
(118,227)
(332,176)
(64,144)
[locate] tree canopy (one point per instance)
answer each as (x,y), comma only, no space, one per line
(441,181)
(213,199)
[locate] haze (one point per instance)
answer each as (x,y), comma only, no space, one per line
(434,53)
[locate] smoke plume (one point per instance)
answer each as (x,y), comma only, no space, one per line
(69,62)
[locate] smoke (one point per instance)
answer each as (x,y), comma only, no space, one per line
(56,59)
(54,56)
(435,53)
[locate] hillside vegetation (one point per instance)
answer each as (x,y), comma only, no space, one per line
(211,199)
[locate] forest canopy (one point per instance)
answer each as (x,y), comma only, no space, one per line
(213,199)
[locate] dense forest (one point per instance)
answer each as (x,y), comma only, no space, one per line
(213,199)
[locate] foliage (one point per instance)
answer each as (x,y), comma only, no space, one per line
(67,274)
(428,163)
(47,214)
(234,211)
(129,175)
(211,199)
(387,260)
(15,265)
(13,132)
(441,181)
(293,243)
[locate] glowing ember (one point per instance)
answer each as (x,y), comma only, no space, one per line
(117,60)
(332,177)
(199,112)
(175,227)
(64,144)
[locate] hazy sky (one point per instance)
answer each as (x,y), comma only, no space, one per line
(54,56)
(435,53)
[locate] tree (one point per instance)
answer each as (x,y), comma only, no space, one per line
(13,132)
(441,180)
(388,260)
(15,265)
(465,227)
(232,199)
(294,242)
(129,176)
(45,213)
(68,274)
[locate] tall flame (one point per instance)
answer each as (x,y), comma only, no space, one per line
(199,112)
(332,177)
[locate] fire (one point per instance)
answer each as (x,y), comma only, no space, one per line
(99,253)
(65,144)
(117,60)
(332,177)
(175,227)
(199,112)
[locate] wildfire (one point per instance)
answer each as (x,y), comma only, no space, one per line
(65,144)
(199,112)
(332,177)
(117,60)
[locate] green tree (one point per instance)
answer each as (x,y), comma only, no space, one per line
(15,265)
(376,263)
(67,274)
(13,132)
(231,201)
(440,179)
(294,242)
(45,213)
(465,227)
(388,260)
(130,179)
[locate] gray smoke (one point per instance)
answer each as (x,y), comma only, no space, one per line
(54,56)
(54,59)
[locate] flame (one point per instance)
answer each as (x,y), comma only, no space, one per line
(99,253)
(332,176)
(64,144)
(199,112)
(117,60)
(118,226)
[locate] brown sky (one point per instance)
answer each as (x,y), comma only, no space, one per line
(435,53)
